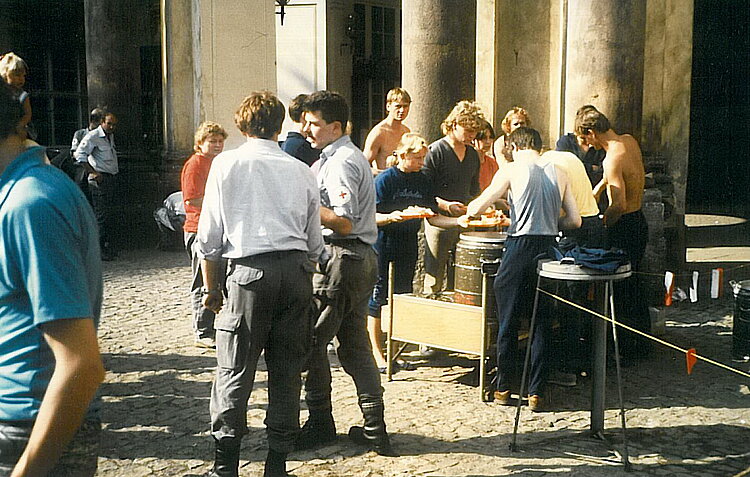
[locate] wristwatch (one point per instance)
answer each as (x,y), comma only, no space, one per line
(206,291)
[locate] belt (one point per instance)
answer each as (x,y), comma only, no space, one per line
(343,242)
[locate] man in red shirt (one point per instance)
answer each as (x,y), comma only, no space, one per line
(209,142)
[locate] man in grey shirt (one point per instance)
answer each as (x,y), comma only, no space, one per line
(261,212)
(341,293)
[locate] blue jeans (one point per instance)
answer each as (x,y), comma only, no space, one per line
(78,459)
(403,276)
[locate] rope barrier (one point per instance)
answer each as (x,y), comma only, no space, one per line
(646,335)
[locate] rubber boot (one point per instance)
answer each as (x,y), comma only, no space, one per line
(227,457)
(275,465)
(318,430)
(373,434)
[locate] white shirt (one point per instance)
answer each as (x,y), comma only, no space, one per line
(98,149)
(259,199)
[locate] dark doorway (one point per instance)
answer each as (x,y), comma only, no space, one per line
(719,162)
(49,36)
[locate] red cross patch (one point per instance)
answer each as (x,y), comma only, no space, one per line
(341,196)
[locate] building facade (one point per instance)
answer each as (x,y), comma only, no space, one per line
(670,72)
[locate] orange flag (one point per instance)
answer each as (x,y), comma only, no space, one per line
(691,359)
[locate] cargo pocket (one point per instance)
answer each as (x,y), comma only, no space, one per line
(244,276)
(228,343)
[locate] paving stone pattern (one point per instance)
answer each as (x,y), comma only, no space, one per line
(157,390)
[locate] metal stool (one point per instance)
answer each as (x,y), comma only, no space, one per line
(570,272)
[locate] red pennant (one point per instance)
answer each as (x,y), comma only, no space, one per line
(691,359)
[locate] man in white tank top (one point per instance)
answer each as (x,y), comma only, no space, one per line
(537,190)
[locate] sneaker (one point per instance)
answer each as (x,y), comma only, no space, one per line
(205,342)
(427,352)
(567,380)
(536,403)
(502,397)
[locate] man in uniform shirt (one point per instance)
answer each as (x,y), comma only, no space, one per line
(97,154)
(347,196)
(260,211)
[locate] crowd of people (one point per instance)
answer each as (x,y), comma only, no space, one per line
(290,245)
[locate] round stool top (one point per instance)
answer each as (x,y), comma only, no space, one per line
(569,271)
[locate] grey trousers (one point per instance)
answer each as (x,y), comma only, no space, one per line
(341,297)
(267,310)
(79,459)
(203,318)
(439,243)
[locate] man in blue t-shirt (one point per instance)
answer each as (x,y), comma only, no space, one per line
(50,301)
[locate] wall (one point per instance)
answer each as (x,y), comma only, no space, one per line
(523,68)
(238,55)
(338,48)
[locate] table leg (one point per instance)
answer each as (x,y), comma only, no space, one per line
(389,340)
(625,456)
(599,367)
(532,326)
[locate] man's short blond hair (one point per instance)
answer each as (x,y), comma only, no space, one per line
(467,114)
(514,111)
(397,95)
(208,128)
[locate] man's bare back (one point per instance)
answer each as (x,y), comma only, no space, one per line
(382,141)
(624,175)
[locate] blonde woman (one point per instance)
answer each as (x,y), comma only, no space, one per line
(13,71)
(399,186)
(453,167)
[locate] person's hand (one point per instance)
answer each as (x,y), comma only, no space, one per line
(463,221)
(456,208)
(213,300)
(95,176)
(395,217)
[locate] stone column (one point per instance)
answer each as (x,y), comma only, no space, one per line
(438,58)
(112,66)
(487,58)
(180,33)
(605,58)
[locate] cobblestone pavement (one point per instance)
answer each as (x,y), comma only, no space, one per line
(157,390)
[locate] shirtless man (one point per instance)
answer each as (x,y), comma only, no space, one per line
(624,178)
(384,137)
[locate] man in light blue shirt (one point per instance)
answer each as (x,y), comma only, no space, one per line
(98,155)
(50,301)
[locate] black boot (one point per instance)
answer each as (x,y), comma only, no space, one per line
(227,457)
(373,434)
(275,465)
(318,430)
